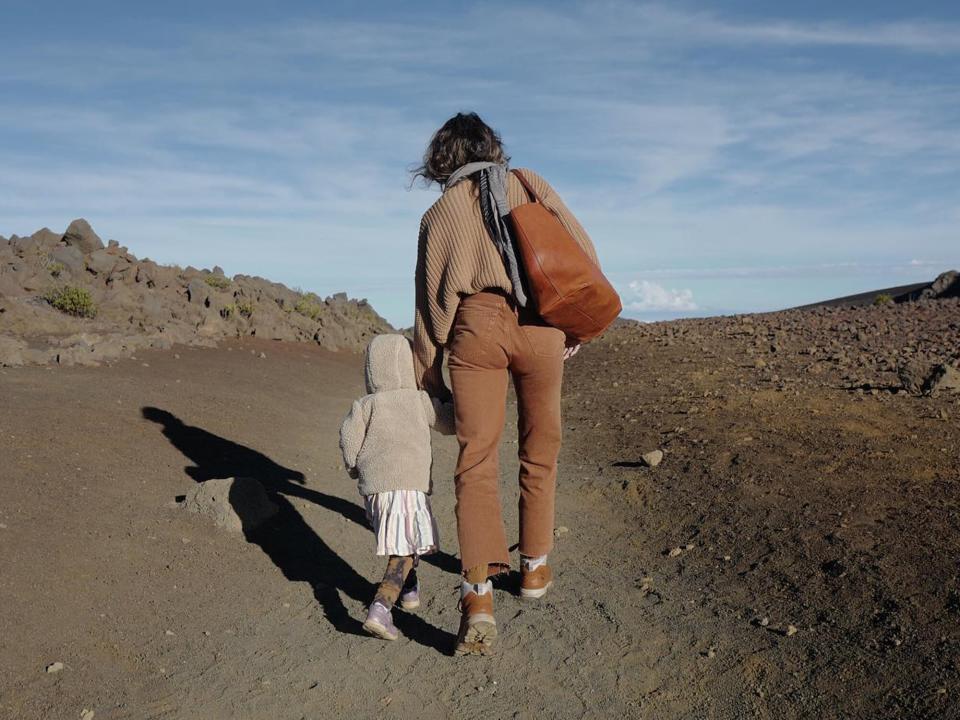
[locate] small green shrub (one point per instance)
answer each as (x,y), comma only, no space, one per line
(309,305)
(56,269)
(72,300)
(883,299)
(217,281)
(244,308)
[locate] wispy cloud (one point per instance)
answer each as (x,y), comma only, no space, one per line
(682,137)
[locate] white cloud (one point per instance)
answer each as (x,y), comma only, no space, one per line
(644,296)
(281,148)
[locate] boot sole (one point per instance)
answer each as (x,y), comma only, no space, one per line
(378,630)
(479,636)
(410,605)
(531,594)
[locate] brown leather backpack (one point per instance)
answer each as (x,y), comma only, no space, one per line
(566,287)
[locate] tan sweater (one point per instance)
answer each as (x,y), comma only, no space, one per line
(456,257)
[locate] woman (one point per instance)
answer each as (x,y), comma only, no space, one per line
(471,300)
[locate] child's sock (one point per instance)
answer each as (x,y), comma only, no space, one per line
(532,563)
(398,567)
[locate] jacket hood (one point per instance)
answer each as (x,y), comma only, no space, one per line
(389,364)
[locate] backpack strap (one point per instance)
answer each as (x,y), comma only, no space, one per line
(526,186)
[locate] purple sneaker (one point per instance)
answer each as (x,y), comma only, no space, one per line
(410,597)
(379,622)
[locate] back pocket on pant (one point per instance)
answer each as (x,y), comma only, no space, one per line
(544,340)
(472,333)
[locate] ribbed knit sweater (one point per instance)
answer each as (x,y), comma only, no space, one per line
(456,257)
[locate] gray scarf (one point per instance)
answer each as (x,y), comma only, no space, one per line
(495,208)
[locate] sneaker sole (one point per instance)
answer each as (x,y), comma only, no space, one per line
(531,594)
(479,637)
(410,605)
(378,630)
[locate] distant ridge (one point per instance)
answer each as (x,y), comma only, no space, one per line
(945,285)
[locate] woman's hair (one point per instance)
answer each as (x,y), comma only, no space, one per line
(462,139)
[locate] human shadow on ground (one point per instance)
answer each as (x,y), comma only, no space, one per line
(292,545)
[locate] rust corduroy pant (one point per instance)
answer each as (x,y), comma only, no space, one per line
(491,341)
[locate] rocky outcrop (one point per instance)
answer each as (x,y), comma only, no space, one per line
(141,304)
(946,285)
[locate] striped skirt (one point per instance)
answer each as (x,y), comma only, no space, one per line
(402,522)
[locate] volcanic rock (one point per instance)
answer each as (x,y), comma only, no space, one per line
(234,504)
(80,234)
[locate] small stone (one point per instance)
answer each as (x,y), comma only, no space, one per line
(263,356)
(54,667)
(562,530)
(689,546)
(86,714)
(791,630)
(675,552)
(764,622)
(169,632)
(652,458)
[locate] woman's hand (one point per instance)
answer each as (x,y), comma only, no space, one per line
(570,351)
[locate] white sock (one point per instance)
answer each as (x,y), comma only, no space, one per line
(532,563)
(478,588)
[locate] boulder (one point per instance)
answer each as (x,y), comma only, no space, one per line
(235,504)
(40,241)
(942,378)
(198,292)
(922,377)
(101,262)
(11,351)
(82,236)
(152,310)
(946,285)
(70,257)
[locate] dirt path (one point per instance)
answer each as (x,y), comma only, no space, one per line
(831,513)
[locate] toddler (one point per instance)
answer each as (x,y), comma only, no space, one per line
(385,440)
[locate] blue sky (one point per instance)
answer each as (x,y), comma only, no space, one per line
(726,157)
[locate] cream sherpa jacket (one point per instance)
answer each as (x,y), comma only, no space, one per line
(385,439)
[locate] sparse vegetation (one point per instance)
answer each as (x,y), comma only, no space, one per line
(217,281)
(72,301)
(883,299)
(309,305)
(55,268)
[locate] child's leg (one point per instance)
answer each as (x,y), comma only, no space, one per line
(398,568)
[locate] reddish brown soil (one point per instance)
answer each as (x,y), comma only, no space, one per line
(794,555)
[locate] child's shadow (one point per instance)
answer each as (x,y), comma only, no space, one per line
(287,539)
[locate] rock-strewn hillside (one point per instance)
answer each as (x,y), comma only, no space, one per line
(69,299)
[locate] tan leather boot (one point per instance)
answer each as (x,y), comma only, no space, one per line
(478,627)
(535,583)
